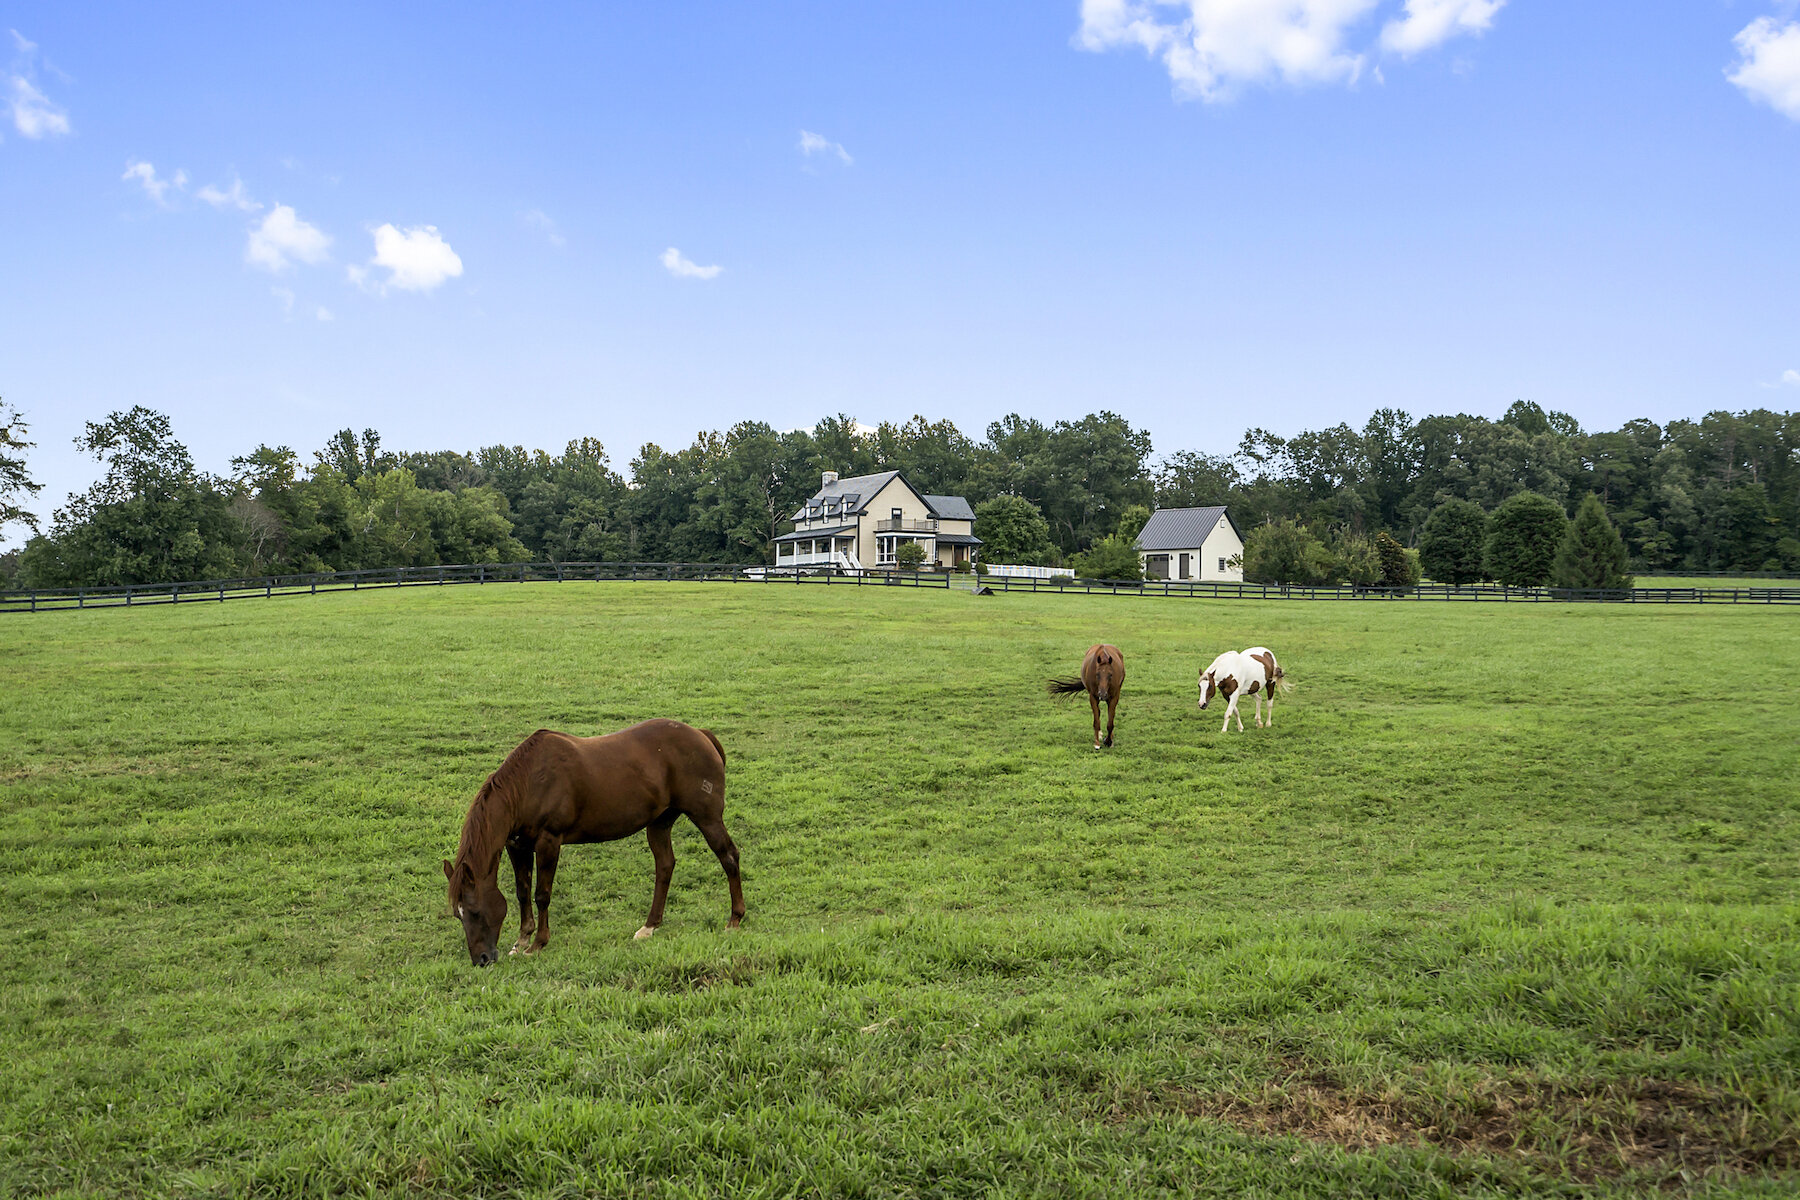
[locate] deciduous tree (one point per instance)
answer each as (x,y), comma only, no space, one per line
(1523,535)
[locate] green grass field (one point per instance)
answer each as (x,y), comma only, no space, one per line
(1505,904)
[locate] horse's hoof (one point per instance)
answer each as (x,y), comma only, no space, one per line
(643,933)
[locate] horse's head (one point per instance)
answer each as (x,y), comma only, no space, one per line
(481,908)
(1207,688)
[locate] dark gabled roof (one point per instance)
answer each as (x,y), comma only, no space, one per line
(950,508)
(806,535)
(858,490)
(958,539)
(1182,528)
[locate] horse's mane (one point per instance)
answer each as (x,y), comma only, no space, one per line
(500,788)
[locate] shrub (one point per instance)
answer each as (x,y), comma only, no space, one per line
(1287,552)
(1356,560)
(909,555)
(1523,536)
(1452,543)
(980,567)
(1592,554)
(1110,558)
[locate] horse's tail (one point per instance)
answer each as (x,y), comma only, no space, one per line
(1066,687)
(716,746)
(1281,683)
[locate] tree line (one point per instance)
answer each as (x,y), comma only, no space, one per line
(1720,493)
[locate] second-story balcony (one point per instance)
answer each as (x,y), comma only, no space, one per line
(902,525)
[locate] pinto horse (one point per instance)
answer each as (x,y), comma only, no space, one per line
(556,790)
(1102,676)
(1236,673)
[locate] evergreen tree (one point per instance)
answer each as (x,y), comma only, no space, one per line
(1451,544)
(1522,539)
(1398,569)
(1592,554)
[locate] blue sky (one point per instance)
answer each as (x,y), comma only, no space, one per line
(472,224)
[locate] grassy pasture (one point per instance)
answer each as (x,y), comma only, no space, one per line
(1504,905)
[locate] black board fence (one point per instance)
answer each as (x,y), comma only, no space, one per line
(503,574)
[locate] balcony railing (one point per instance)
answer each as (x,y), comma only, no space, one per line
(901,525)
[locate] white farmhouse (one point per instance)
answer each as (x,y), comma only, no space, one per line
(862,521)
(1191,543)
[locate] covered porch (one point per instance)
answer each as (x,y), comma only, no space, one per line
(818,548)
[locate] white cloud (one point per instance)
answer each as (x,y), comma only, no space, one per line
(683,268)
(236,197)
(324,314)
(1769,69)
(156,189)
(1213,48)
(33,113)
(1791,378)
(286,296)
(417,260)
(281,238)
(1430,23)
(538,219)
(812,143)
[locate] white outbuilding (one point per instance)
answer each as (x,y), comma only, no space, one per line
(1192,543)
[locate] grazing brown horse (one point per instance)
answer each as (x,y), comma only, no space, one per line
(1102,675)
(555,789)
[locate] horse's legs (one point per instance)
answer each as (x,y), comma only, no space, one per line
(1094,702)
(1230,707)
(521,861)
(663,851)
(1238,713)
(712,828)
(547,850)
(1271,721)
(1112,711)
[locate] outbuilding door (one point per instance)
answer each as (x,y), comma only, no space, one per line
(1187,566)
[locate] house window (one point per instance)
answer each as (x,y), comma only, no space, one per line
(1222,567)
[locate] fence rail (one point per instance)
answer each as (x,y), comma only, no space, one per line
(271,586)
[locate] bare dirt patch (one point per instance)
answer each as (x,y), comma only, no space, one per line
(1659,1130)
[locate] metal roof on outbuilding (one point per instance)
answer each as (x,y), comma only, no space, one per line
(1182,528)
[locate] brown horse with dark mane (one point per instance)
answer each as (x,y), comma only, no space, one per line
(1102,675)
(556,790)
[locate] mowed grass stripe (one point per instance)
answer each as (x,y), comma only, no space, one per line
(1505,893)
